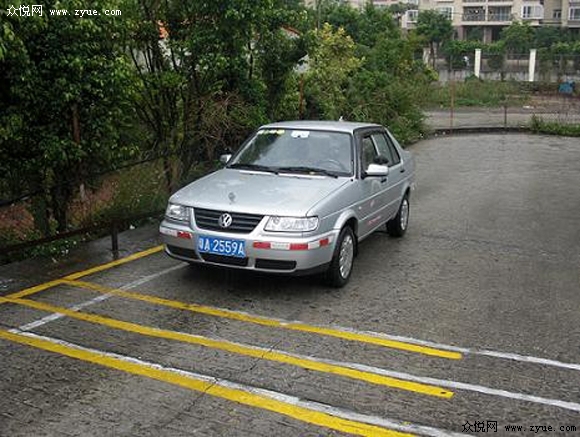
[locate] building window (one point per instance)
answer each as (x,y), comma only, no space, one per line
(557,14)
(533,12)
(574,14)
(412,15)
(446,11)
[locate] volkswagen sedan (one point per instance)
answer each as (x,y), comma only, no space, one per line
(296,198)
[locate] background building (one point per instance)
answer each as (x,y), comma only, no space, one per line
(484,19)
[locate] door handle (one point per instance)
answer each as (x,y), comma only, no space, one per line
(402,170)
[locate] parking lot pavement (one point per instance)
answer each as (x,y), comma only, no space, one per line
(469,324)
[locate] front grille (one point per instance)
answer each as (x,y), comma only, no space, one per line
(274,264)
(241,223)
(228,260)
(180,251)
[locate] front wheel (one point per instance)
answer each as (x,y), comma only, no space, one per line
(397,226)
(340,267)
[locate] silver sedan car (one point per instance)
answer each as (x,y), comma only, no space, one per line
(296,198)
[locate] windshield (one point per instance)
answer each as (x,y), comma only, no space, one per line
(297,151)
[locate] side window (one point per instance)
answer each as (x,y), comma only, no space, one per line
(384,150)
(369,152)
(394,153)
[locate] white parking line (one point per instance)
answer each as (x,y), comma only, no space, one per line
(387,423)
(459,385)
(573,406)
(55,316)
(475,351)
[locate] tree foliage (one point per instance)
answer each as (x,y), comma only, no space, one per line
(65,95)
(435,28)
(186,80)
(518,37)
(332,61)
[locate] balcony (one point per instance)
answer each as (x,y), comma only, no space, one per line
(474,14)
(500,17)
(499,14)
(473,17)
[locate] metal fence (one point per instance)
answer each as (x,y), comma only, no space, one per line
(552,108)
(548,67)
(101,204)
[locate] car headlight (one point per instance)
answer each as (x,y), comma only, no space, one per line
(291,224)
(177,212)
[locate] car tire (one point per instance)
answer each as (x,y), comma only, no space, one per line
(397,226)
(340,268)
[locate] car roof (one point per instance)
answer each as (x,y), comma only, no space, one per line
(335,126)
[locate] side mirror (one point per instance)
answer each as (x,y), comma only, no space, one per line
(224,159)
(377,170)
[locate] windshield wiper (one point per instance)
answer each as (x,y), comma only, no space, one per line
(256,167)
(309,170)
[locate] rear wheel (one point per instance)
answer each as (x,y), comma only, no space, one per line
(340,267)
(397,226)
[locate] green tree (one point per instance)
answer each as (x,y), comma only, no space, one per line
(435,28)
(518,37)
(332,62)
(545,36)
(279,48)
(342,15)
(63,103)
(199,92)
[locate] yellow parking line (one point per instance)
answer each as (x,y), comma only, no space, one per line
(115,263)
(77,275)
(271,322)
(236,348)
(231,394)
(35,289)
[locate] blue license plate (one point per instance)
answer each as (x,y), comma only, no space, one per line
(221,246)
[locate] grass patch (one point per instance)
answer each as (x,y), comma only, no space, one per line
(476,93)
(541,126)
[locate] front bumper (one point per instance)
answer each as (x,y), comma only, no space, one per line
(264,252)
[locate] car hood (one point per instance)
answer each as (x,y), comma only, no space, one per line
(258,193)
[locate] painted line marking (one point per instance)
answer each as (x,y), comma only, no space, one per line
(55,316)
(46,285)
(305,411)
(115,263)
(304,362)
(271,322)
(573,406)
(35,289)
(371,337)
(483,352)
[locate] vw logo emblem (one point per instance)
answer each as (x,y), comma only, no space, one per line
(225,220)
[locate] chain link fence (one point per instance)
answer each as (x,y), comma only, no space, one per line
(101,204)
(503,96)
(551,108)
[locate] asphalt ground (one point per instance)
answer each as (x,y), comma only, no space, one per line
(469,324)
(567,112)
